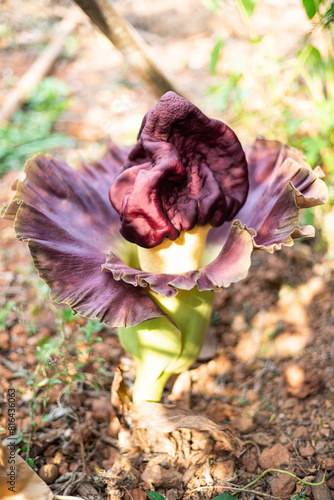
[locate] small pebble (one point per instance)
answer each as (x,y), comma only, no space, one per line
(49,473)
(307,451)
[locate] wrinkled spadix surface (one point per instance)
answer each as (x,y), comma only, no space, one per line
(186,170)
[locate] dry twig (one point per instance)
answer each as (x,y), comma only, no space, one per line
(39,68)
(129,42)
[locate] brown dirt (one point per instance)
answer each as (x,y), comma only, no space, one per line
(271,378)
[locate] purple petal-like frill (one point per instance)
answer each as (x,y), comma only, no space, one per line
(280,184)
(68,222)
(230,266)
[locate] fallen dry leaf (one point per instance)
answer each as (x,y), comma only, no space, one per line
(167,418)
(17,479)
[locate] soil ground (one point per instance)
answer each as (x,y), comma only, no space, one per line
(267,370)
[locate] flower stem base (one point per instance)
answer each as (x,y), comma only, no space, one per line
(161,348)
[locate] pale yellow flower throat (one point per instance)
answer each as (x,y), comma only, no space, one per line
(178,256)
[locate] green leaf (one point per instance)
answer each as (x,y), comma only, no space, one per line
(30,462)
(211,5)
(310,8)
(55,381)
(225,496)
(19,439)
(69,316)
(215,55)
(153,495)
(43,382)
(249,6)
(329,16)
(47,347)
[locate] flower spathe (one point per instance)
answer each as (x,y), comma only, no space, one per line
(186,171)
(73,231)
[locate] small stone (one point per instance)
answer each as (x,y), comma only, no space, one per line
(18,329)
(53,394)
(172,494)
(301,432)
(321,447)
(250,464)
(301,381)
(4,340)
(325,431)
(18,335)
(63,469)
(239,323)
(272,458)
(109,462)
(58,458)
(49,473)
(102,409)
(331,424)
(283,486)
(252,396)
(243,424)
(218,411)
(30,359)
(283,439)
(307,451)
(219,365)
(223,470)
(330,483)
(329,463)
(158,476)
(135,494)
(114,427)
(262,439)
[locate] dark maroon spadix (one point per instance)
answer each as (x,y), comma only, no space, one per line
(185,170)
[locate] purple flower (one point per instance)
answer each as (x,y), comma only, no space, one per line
(186,171)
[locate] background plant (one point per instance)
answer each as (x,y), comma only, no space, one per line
(61,360)
(299,91)
(31,130)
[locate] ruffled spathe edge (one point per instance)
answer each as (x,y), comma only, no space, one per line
(279,227)
(67,220)
(230,266)
(68,253)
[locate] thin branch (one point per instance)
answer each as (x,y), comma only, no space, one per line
(39,68)
(129,42)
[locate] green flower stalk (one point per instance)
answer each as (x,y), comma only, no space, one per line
(143,238)
(161,348)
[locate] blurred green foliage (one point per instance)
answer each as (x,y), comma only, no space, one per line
(4,311)
(288,86)
(62,359)
(30,131)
